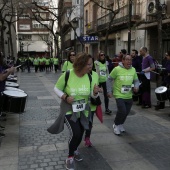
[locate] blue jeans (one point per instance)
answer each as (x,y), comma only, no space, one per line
(123,109)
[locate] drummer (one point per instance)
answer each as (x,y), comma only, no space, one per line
(4,73)
(166,79)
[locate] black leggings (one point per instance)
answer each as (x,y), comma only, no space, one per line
(106,99)
(76,134)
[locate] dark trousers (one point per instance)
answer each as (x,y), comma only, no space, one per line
(106,99)
(36,68)
(41,67)
(145,91)
(88,132)
(56,68)
(123,109)
(76,134)
(28,68)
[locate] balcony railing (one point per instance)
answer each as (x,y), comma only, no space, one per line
(91,27)
(102,23)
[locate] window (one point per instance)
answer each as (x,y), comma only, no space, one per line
(24,27)
(25,37)
(24,16)
(36,24)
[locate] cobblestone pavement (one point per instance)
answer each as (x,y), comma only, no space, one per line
(28,145)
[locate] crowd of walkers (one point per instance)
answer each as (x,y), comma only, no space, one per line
(126,77)
(40,63)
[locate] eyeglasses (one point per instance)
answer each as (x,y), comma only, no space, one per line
(72,54)
(90,64)
(101,54)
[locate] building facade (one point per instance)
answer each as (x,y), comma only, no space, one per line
(130,24)
(33,33)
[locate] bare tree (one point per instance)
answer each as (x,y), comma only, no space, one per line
(8,16)
(113,14)
(52,19)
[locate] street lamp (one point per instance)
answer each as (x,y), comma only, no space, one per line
(74,24)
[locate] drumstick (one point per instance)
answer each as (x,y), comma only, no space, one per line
(151,71)
(18,66)
(155,72)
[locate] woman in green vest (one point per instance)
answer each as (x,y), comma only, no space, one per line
(75,103)
(103,73)
(36,63)
(69,63)
(55,62)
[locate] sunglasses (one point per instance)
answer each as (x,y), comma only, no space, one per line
(101,54)
(72,54)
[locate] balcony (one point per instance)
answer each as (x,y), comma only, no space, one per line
(136,17)
(91,27)
(103,22)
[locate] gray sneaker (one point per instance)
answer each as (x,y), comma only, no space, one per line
(121,128)
(70,163)
(77,156)
(116,129)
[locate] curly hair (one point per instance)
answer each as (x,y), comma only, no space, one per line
(81,61)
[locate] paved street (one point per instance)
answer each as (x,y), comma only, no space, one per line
(28,145)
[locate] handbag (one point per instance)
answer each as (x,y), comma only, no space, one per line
(96,101)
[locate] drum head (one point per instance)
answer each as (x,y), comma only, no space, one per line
(161,89)
(11,84)
(14,93)
(13,89)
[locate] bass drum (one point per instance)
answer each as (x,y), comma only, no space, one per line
(13,89)
(161,93)
(11,84)
(14,101)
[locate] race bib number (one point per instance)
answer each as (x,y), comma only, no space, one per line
(78,105)
(103,73)
(125,89)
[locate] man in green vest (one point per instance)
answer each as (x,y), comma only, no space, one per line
(56,61)
(36,63)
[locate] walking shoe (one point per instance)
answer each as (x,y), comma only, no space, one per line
(146,106)
(108,112)
(88,142)
(2,135)
(70,163)
(121,128)
(77,156)
(116,129)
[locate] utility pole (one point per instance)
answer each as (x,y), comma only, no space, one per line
(129,26)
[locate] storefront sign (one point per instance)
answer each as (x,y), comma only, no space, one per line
(89,39)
